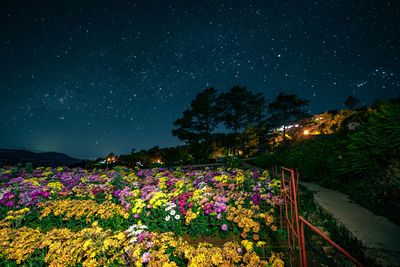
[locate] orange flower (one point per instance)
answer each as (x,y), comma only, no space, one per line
(243,235)
(256,237)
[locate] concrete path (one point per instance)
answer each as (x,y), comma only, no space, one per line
(380,236)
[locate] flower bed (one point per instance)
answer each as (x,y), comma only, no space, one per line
(157,217)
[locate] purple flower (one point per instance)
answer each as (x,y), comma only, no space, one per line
(127,206)
(136,215)
(10,203)
(224,227)
(146,257)
(45,194)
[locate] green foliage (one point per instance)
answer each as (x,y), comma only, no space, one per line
(118,181)
(29,167)
(373,143)
(233,162)
(362,162)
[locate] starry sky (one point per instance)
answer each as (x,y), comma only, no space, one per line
(92,77)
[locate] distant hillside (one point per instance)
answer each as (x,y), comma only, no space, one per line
(12,157)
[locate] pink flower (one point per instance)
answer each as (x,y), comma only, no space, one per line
(45,194)
(219,216)
(146,257)
(190,204)
(136,215)
(224,227)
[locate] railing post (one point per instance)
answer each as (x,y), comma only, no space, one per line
(294,196)
(303,245)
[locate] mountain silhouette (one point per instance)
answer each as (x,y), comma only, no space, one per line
(11,157)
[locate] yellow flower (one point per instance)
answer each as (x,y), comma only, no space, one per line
(248,245)
(260,243)
(121,236)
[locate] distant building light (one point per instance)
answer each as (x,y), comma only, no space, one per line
(111,159)
(158,161)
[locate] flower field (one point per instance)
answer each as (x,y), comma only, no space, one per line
(153,217)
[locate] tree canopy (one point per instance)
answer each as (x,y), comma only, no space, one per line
(198,122)
(287,109)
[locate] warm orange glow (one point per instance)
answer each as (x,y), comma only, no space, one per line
(159,161)
(306,132)
(110,159)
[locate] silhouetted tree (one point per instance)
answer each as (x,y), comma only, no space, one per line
(198,123)
(351,102)
(240,109)
(287,109)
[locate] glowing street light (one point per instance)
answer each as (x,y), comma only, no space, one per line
(306,132)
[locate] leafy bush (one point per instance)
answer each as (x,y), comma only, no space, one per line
(361,160)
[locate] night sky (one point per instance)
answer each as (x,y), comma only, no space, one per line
(92,77)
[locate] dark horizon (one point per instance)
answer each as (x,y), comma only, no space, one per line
(88,78)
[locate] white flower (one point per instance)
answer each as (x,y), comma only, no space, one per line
(177,217)
(167,218)
(173,212)
(138,232)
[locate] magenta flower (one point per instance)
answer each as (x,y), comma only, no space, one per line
(224,227)
(136,215)
(45,194)
(146,257)
(10,203)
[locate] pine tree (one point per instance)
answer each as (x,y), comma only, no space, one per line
(287,109)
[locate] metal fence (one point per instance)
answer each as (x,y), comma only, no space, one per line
(294,223)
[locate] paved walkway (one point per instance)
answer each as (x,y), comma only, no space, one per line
(380,236)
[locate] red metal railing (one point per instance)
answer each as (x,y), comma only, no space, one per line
(295,223)
(289,195)
(339,248)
